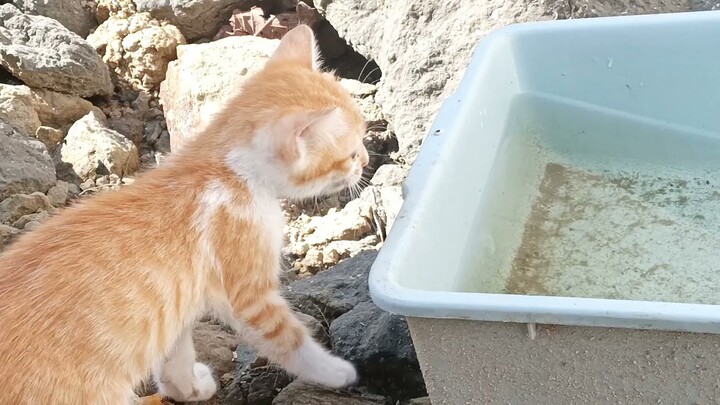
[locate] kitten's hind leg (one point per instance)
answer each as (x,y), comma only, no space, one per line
(180,377)
(266,322)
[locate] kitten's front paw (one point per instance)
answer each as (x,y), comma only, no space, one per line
(187,387)
(315,365)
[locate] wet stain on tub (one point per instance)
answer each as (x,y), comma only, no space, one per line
(620,234)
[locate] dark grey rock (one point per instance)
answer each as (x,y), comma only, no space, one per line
(333,292)
(380,144)
(44,54)
(316,328)
(298,393)
(379,344)
(257,386)
(25,164)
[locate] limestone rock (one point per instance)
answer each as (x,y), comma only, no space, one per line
(298,393)
(357,88)
(7,235)
(104,9)
(74,14)
(383,204)
(19,205)
(44,54)
(204,77)
(50,137)
(195,19)
(389,175)
(336,251)
(350,223)
(58,194)
(138,48)
(364,94)
(30,220)
(60,110)
(25,164)
(93,149)
(45,114)
(379,344)
(17,108)
(322,241)
(423,48)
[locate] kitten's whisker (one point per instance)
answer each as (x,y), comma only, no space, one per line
(368,75)
(376,127)
(363,69)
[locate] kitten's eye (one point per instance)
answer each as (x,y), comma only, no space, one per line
(354,155)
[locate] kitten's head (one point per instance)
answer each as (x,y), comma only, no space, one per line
(306,130)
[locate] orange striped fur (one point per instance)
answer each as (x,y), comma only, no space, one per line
(106,292)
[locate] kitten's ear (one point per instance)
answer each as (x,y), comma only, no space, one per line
(297,46)
(290,130)
(299,122)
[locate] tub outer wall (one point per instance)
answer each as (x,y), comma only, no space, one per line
(471,362)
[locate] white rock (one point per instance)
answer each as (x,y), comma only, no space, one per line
(380,205)
(138,48)
(58,194)
(204,77)
(358,88)
(25,164)
(26,220)
(19,205)
(389,175)
(313,259)
(50,137)
(44,54)
(352,223)
(28,109)
(90,146)
(74,15)
(17,108)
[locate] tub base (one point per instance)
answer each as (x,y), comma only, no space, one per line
(468,362)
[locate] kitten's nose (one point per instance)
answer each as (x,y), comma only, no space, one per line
(364,158)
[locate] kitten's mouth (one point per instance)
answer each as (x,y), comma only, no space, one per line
(338,185)
(342,184)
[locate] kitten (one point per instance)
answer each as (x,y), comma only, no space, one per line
(108,291)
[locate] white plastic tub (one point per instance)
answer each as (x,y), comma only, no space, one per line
(573,179)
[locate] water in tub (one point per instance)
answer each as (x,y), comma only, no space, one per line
(588,202)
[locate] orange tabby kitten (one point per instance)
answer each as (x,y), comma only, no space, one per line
(108,291)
